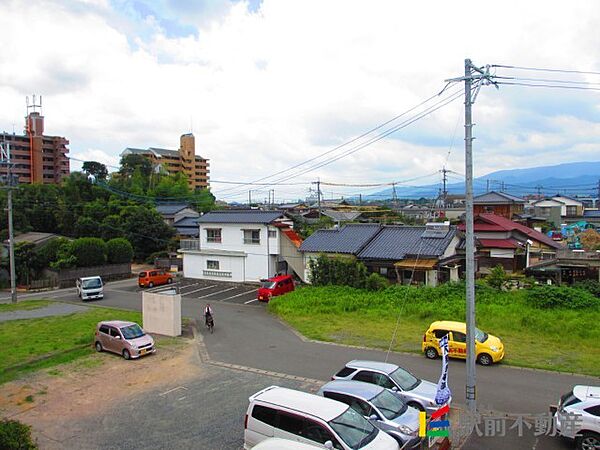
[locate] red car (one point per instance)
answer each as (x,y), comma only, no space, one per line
(274,286)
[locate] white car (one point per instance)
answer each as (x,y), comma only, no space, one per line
(309,419)
(283,444)
(89,288)
(582,403)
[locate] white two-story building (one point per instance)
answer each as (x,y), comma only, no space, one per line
(242,246)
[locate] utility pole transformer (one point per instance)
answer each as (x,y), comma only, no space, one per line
(10,184)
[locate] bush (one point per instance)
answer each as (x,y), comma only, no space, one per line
(162,254)
(592,286)
(338,271)
(497,277)
(376,282)
(15,435)
(118,251)
(546,297)
(89,251)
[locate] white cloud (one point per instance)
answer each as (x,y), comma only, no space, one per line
(270,89)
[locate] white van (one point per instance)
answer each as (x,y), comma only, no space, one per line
(283,444)
(89,288)
(277,412)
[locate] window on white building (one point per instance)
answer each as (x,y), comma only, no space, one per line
(272,233)
(213,235)
(212,264)
(251,236)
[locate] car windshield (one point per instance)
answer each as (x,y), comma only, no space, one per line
(406,380)
(389,405)
(353,429)
(132,331)
(142,275)
(267,284)
(92,284)
(480,336)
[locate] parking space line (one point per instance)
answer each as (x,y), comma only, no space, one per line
(190,285)
(239,295)
(218,292)
(250,301)
(198,290)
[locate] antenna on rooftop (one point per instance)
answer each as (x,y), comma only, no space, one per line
(33,105)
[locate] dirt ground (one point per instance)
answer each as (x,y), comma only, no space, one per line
(52,399)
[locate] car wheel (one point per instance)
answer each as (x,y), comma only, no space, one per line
(416,405)
(98,346)
(431,353)
(589,441)
(151,284)
(126,354)
(170,280)
(484,359)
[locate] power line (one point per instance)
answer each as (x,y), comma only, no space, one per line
(554,86)
(542,69)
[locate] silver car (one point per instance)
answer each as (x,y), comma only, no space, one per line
(413,391)
(380,407)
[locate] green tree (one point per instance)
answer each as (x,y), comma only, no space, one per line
(98,170)
(87,227)
(497,277)
(111,227)
(15,435)
(119,250)
(146,231)
(89,251)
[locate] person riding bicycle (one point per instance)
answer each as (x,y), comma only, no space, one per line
(208,313)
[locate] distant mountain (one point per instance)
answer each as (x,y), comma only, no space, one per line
(578,178)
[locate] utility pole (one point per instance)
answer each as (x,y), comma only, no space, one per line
(470,244)
(539,191)
(319,196)
(481,76)
(249,197)
(10,184)
(598,201)
(487,185)
(272,198)
(395,196)
(359,199)
(444,181)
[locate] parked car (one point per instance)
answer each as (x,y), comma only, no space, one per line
(283,444)
(413,391)
(584,402)
(309,419)
(127,339)
(489,349)
(153,278)
(380,407)
(89,288)
(272,287)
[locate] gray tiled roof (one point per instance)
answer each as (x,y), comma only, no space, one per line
(348,239)
(341,216)
(396,242)
(493,197)
(186,222)
(240,216)
(164,151)
(591,213)
(168,209)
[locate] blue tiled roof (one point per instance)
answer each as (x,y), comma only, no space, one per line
(591,213)
(348,239)
(240,216)
(396,242)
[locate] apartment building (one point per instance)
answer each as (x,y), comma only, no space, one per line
(37,158)
(183,160)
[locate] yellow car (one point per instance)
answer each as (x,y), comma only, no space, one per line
(489,349)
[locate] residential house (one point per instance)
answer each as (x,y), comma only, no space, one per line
(567,267)
(242,246)
(514,246)
(499,203)
(187,227)
(403,254)
(569,209)
(174,212)
(37,238)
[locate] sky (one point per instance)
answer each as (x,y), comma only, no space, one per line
(266,85)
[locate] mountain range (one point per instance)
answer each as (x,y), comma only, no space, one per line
(576,178)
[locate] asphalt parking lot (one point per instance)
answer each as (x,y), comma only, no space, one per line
(213,291)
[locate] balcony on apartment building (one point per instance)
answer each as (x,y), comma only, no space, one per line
(189,244)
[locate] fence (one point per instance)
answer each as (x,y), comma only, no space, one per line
(44,283)
(167,263)
(108,272)
(189,244)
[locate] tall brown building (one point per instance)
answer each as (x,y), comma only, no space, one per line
(182,160)
(37,158)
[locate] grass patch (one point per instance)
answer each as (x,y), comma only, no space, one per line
(33,344)
(24,306)
(559,339)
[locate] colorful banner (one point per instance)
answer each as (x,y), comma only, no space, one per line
(443,393)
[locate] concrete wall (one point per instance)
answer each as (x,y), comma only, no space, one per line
(231,268)
(161,313)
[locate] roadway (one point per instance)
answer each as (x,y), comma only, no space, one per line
(245,334)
